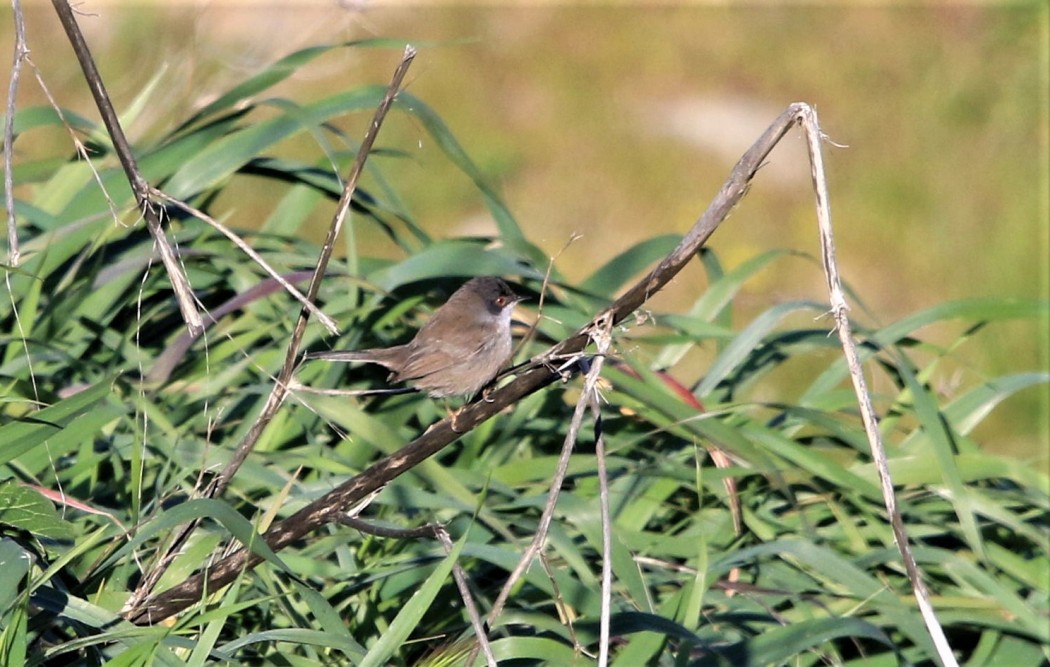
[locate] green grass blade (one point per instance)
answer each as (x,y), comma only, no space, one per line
(411,613)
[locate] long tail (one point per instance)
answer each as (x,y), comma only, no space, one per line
(384,356)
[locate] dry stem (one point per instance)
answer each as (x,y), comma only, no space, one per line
(281,384)
(807,117)
(180,284)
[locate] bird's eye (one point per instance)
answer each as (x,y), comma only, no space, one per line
(501,301)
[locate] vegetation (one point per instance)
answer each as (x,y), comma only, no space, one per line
(110,402)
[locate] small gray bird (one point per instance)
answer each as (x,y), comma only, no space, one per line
(460,349)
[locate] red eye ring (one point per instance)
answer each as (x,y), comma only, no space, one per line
(501,301)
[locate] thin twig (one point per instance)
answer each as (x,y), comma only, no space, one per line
(807,117)
(565,613)
(603,340)
(13,253)
(327,321)
(460,577)
(21,53)
(543,527)
(600,333)
(458,574)
(299,388)
(526,340)
(280,387)
(180,284)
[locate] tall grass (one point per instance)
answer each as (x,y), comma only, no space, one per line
(108,401)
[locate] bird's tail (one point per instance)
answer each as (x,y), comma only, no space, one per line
(386,356)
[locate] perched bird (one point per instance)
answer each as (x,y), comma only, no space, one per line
(460,349)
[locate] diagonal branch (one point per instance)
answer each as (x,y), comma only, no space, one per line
(289,288)
(180,284)
(539,374)
(281,385)
(280,389)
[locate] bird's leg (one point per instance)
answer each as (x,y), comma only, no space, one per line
(487,390)
(452,417)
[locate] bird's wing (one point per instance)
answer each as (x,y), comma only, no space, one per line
(431,354)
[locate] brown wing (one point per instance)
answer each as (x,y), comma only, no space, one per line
(432,354)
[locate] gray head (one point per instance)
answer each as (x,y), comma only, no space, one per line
(492,292)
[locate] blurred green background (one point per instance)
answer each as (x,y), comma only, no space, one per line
(620,123)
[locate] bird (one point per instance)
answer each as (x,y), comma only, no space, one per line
(458,351)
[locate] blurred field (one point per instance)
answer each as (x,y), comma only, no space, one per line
(620,123)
